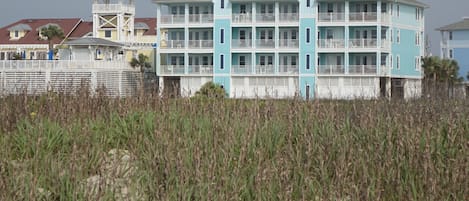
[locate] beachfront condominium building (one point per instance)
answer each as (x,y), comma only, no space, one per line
(338,49)
(455,45)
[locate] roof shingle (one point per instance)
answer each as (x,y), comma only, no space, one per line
(461,25)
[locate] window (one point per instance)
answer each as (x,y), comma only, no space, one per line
(308,62)
(450,35)
(222,4)
(330,7)
(308,3)
(339,60)
(391,62)
(374,34)
(308,35)
(417,39)
(17,34)
(383,60)
(242,9)
(293,35)
(398,62)
(242,61)
(271,35)
(384,7)
(398,10)
(222,61)
(398,37)
(293,60)
(262,61)
(417,63)
(392,35)
(270,60)
(107,34)
(222,36)
(450,53)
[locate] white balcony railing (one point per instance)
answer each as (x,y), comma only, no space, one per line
(385,44)
(288,69)
(363,43)
(200,69)
(363,17)
(265,43)
(288,17)
(172,69)
(331,43)
(362,69)
(113,8)
(331,17)
(172,19)
(60,64)
(289,43)
(385,70)
(241,69)
(243,44)
(242,18)
(172,44)
(331,69)
(264,69)
(201,18)
(201,44)
(265,17)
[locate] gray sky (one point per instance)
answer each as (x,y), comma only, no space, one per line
(441,12)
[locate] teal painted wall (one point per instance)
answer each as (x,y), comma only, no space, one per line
(406,16)
(407,51)
(225,81)
(307,48)
(305,81)
(220,48)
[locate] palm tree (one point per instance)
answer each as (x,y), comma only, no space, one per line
(140,62)
(52,32)
(431,67)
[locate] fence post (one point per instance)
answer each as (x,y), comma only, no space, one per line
(94,82)
(120,83)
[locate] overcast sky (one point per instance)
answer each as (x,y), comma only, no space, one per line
(440,13)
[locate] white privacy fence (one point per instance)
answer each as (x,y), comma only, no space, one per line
(40,77)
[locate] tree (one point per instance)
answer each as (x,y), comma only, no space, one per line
(52,32)
(140,62)
(431,67)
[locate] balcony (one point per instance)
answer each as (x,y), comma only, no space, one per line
(172,44)
(265,43)
(362,70)
(172,69)
(331,17)
(201,44)
(264,69)
(331,69)
(289,17)
(242,44)
(363,43)
(363,17)
(289,43)
(172,19)
(288,69)
(200,18)
(113,8)
(242,18)
(265,18)
(331,43)
(200,69)
(241,69)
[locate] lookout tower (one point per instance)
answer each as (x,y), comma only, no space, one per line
(114,20)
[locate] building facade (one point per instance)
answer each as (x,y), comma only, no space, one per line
(278,49)
(455,45)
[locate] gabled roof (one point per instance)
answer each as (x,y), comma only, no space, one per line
(151,24)
(20,27)
(413,2)
(33,25)
(461,25)
(92,41)
(141,26)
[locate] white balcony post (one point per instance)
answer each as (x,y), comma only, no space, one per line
(347,11)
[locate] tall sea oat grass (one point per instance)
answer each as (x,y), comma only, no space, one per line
(52,146)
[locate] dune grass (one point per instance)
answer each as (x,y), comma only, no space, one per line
(207,149)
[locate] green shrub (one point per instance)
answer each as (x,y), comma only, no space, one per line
(211,90)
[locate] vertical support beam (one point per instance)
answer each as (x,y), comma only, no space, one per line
(119,27)
(120,92)
(347,11)
(158,40)
(254,12)
(254,37)
(94,82)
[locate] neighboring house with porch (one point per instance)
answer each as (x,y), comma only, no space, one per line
(23,38)
(455,45)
